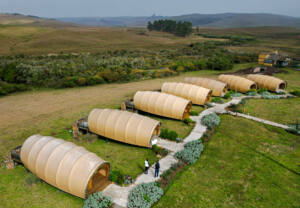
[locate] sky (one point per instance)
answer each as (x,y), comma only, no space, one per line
(111,8)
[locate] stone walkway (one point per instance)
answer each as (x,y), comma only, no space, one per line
(120,194)
(259,120)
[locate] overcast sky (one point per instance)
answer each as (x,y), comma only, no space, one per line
(109,8)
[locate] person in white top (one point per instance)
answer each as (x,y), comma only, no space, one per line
(146,166)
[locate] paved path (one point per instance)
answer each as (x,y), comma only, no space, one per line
(120,194)
(259,120)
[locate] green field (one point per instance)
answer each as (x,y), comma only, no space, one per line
(283,111)
(245,164)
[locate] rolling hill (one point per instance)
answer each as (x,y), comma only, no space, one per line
(226,20)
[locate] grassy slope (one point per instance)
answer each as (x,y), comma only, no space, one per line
(16,39)
(237,169)
(281,111)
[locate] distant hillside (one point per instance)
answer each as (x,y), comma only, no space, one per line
(20,19)
(226,20)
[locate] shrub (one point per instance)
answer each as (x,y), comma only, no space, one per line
(267,95)
(211,120)
(252,93)
(97,200)
(227,95)
(144,195)
(159,151)
(194,113)
(6,88)
(31,179)
(188,121)
(166,134)
(217,100)
(69,82)
(235,108)
(95,80)
(236,94)
(191,152)
(296,93)
(260,90)
(81,81)
(117,177)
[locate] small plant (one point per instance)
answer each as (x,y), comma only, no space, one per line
(211,120)
(167,134)
(296,93)
(31,179)
(217,100)
(191,152)
(235,108)
(159,151)
(267,95)
(294,128)
(208,105)
(281,92)
(117,177)
(227,95)
(194,113)
(97,200)
(260,90)
(252,92)
(144,195)
(188,121)
(237,94)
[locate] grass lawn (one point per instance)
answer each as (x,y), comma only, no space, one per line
(245,164)
(198,108)
(284,111)
(292,77)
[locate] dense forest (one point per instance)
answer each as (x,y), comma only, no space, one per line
(180,28)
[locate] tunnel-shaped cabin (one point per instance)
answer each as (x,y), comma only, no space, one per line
(162,104)
(268,82)
(198,95)
(238,83)
(124,126)
(68,167)
(218,88)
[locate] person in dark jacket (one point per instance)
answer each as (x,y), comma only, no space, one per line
(157,166)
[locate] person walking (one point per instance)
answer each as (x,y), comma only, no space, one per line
(146,166)
(157,166)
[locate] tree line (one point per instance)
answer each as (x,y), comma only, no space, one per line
(180,28)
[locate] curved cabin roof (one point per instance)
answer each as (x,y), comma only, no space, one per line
(162,104)
(198,95)
(238,83)
(268,82)
(62,164)
(123,126)
(218,88)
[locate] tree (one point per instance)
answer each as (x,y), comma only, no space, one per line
(178,28)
